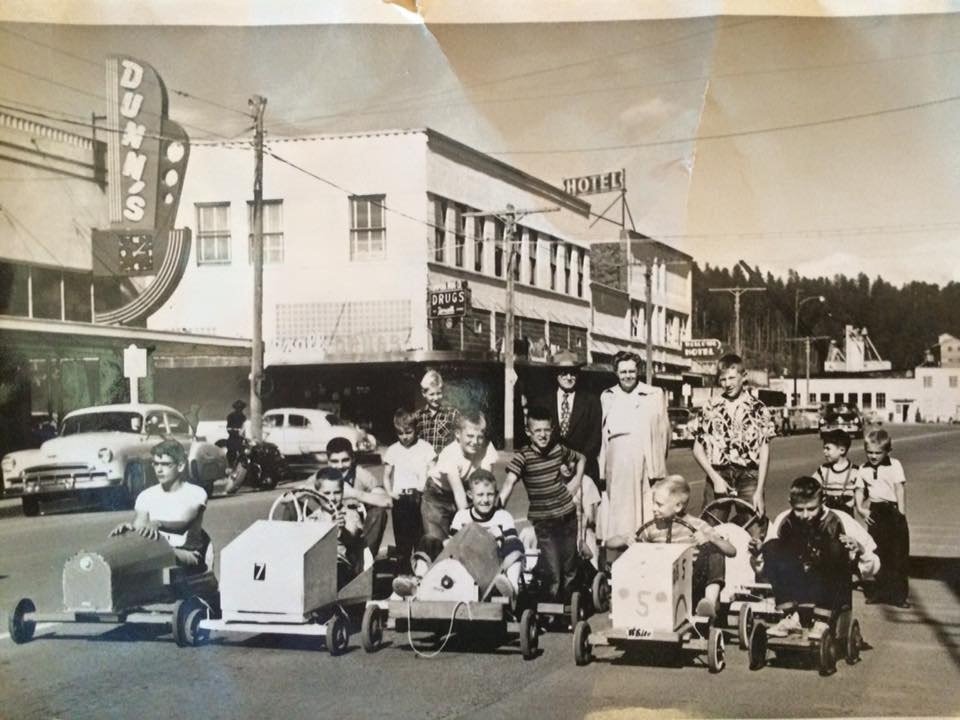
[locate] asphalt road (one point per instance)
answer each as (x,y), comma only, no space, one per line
(94,671)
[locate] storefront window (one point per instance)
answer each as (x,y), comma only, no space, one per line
(46,294)
(13,289)
(76,295)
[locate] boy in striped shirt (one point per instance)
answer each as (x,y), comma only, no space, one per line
(544,467)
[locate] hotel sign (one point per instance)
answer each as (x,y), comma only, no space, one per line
(702,348)
(614,181)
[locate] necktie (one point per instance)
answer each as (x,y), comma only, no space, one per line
(565,415)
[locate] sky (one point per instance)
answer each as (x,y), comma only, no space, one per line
(820,144)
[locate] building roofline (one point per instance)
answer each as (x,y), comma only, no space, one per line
(32,127)
(460,152)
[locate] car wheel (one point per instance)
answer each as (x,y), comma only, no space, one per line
(758,646)
(337,634)
(31,506)
(826,654)
(744,626)
(529,634)
(716,657)
(371,628)
(21,631)
(582,650)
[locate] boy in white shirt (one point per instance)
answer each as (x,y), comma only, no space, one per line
(882,502)
(405,467)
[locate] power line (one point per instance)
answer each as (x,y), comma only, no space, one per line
(94,63)
(734,134)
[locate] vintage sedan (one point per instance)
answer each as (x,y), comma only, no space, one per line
(680,431)
(842,416)
(104,451)
(302,431)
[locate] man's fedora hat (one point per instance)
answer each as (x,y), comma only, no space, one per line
(566,359)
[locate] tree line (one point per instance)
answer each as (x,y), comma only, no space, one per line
(903,322)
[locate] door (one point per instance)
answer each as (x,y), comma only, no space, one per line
(299,434)
(275,431)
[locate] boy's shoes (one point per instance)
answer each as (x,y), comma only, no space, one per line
(706,609)
(502,585)
(405,585)
(790,625)
(818,629)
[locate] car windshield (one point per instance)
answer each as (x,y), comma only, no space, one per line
(115,421)
(334,420)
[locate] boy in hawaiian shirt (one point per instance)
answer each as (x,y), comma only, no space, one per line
(732,441)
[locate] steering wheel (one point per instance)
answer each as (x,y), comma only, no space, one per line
(679,521)
(707,513)
(300,498)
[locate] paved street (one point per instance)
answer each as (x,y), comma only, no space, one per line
(87,671)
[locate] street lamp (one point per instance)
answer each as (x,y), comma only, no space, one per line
(797,304)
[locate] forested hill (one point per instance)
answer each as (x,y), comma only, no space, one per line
(902,321)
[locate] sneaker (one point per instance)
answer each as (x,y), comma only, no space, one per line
(405,585)
(502,585)
(790,625)
(818,629)
(706,609)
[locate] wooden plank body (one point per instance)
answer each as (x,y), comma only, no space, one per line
(444,610)
(651,587)
(120,573)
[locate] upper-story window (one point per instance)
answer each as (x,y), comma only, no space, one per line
(368,227)
(459,235)
(498,256)
(583,259)
(532,256)
(272,231)
(566,270)
(213,233)
(478,243)
(554,249)
(439,229)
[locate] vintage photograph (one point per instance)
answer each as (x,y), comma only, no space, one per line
(409,359)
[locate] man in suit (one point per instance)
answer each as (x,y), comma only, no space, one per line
(576,413)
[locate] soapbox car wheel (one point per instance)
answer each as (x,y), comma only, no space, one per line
(187,615)
(854,641)
(716,655)
(21,631)
(745,622)
(269,479)
(601,593)
(827,653)
(371,628)
(337,635)
(758,646)
(582,649)
(529,634)
(578,608)
(748,511)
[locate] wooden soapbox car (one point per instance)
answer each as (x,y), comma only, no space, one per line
(280,577)
(651,604)
(456,596)
(125,579)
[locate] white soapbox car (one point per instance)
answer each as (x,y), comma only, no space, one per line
(456,596)
(651,604)
(280,578)
(124,579)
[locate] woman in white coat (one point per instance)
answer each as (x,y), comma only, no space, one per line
(635,440)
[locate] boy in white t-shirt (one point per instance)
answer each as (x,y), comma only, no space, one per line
(171,510)
(882,502)
(405,467)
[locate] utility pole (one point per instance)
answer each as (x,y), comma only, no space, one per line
(509,217)
(737,292)
(806,340)
(258,104)
(797,303)
(648,312)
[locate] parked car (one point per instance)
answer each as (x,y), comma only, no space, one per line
(842,416)
(304,431)
(680,418)
(104,451)
(802,420)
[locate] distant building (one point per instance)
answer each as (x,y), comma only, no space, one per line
(946,353)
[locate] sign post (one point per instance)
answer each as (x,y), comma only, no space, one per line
(134,368)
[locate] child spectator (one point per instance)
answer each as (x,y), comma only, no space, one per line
(552,509)
(405,466)
(436,422)
(670,499)
(361,485)
(807,559)
(444,492)
(882,502)
(172,510)
(349,521)
(837,475)
(499,523)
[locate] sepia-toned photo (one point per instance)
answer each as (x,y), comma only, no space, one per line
(404,359)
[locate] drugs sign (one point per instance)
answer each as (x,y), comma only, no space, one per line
(448,303)
(703,348)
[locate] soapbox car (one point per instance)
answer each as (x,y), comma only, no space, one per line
(280,578)
(455,596)
(125,579)
(651,604)
(743,599)
(841,639)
